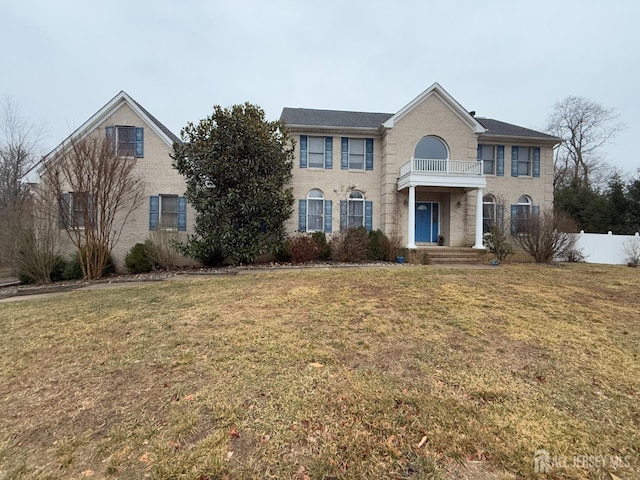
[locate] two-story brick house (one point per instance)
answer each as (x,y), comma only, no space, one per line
(432,171)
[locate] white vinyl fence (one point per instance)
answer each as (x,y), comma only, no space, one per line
(605,248)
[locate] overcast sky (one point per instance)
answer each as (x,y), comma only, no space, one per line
(506,59)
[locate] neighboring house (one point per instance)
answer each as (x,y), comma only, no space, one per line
(137,134)
(430,170)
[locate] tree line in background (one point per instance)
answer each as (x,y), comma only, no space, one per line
(584,186)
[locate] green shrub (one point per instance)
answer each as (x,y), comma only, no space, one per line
(320,239)
(303,249)
(379,246)
(139,258)
(350,245)
(282,252)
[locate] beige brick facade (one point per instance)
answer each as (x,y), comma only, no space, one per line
(394,136)
(435,114)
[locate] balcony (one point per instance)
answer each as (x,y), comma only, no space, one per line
(441,173)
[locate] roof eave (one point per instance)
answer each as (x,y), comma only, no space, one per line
(333,128)
(521,138)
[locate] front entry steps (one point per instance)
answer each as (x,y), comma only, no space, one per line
(446,255)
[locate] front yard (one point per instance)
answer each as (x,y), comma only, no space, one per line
(403,372)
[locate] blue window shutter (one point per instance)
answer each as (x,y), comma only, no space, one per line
(182,213)
(369,153)
(110,132)
(536,162)
(328,152)
(343,214)
(303,151)
(479,154)
(302,215)
(500,217)
(139,146)
(514,161)
(328,219)
(154,211)
(63,210)
(536,209)
(368,215)
(500,166)
(344,154)
(514,219)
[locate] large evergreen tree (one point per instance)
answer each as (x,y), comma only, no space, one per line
(238,171)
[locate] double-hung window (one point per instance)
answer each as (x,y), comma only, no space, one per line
(167,212)
(316,152)
(356,154)
(488,213)
(75,210)
(355,210)
(521,213)
(126,141)
(525,161)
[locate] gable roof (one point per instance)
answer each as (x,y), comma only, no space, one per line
(308,117)
(496,128)
(436,90)
(104,113)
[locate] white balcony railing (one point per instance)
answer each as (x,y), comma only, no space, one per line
(442,167)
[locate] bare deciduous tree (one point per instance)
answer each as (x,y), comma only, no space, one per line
(584,127)
(97,190)
(19,140)
(546,235)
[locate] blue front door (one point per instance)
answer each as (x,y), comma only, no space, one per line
(427,224)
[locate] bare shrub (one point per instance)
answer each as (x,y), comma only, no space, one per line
(37,238)
(632,249)
(547,235)
(303,249)
(498,244)
(164,252)
(350,245)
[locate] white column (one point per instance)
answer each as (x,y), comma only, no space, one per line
(479,243)
(411,224)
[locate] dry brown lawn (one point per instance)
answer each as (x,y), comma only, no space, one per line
(402,373)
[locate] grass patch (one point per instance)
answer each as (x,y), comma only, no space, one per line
(410,372)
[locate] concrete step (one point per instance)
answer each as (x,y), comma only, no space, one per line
(448,255)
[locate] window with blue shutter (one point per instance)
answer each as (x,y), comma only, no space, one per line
(344,153)
(514,161)
(302,215)
(500,161)
(182,213)
(154,211)
(303,151)
(368,215)
(536,162)
(139,142)
(369,153)
(328,219)
(344,219)
(328,152)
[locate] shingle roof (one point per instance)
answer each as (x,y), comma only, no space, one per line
(159,124)
(332,118)
(496,127)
